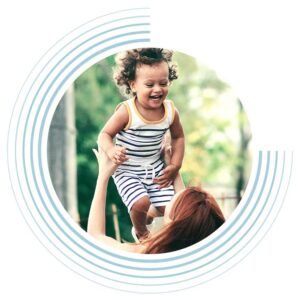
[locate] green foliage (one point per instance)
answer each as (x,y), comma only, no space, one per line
(96,97)
(211,118)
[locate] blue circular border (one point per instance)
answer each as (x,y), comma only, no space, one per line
(226,228)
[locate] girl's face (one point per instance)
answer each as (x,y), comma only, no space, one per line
(151,84)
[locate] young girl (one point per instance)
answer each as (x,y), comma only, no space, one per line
(139,125)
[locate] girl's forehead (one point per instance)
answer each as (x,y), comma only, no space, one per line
(148,70)
(154,65)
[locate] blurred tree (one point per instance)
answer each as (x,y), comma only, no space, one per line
(214,124)
(96,98)
(62,153)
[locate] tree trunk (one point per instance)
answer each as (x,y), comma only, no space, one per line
(62,153)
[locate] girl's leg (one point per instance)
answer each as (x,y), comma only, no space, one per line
(138,215)
(154,212)
(161,210)
(151,214)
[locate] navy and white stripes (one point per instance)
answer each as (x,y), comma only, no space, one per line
(143,142)
(132,187)
(142,138)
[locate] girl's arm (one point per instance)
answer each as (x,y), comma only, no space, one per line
(177,142)
(96,221)
(116,123)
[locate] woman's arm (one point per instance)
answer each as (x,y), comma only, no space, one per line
(96,221)
(178,184)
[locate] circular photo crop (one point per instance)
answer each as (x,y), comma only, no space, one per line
(176,134)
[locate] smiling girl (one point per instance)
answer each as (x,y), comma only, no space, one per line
(139,125)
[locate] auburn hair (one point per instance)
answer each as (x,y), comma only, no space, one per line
(194,216)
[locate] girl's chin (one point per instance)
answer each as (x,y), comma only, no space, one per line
(155,103)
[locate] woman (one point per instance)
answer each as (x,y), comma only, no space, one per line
(189,217)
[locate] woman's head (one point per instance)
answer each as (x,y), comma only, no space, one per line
(190,217)
(130,62)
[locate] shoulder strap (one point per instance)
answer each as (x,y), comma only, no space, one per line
(136,120)
(170,111)
(126,103)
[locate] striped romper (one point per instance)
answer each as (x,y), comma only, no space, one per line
(143,141)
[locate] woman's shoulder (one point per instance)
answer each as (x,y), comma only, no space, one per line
(130,247)
(135,248)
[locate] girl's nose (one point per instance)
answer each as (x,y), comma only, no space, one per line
(157,88)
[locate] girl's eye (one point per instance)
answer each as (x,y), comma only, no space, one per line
(150,85)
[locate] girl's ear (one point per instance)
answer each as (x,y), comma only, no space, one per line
(132,85)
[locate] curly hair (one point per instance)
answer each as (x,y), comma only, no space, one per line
(128,61)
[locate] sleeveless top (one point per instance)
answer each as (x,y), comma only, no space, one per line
(143,138)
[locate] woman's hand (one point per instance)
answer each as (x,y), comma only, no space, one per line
(105,165)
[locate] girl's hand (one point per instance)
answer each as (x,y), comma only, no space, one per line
(117,155)
(105,165)
(168,176)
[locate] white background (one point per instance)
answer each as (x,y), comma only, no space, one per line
(252,45)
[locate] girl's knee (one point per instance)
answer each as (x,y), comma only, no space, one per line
(141,205)
(161,210)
